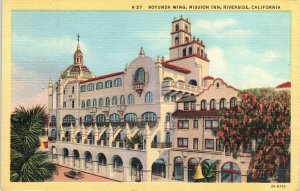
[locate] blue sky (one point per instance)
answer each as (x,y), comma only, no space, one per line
(246,49)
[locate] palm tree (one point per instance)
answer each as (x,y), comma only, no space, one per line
(27,162)
(135,139)
(209,171)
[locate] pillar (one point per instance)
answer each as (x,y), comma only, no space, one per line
(72,133)
(111,135)
(82,163)
(60,159)
(83,134)
(185,173)
(96,134)
(95,167)
(71,161)
(127,174)
(147,133)
(147,175)
(109,169)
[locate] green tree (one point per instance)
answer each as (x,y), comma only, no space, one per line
(209,171)
(27,162)
(136,139)
(262,115)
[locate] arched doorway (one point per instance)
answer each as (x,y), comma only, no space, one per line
(88,160)
(136,170)
(54,154)
(76,158)
(90,138)
(193,82)
(192,164)
(65,154)
(67,136)
(178,169)
(158,169)
(101,163)
(117,163)
(230,172)
(78,137)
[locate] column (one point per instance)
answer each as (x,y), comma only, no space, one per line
(218,175)
(109,169)
(82,163)
(71,161)
(95,167)
(111,135)
(60,159)
(147,175)
(127,174)
(170,172)
(185,173)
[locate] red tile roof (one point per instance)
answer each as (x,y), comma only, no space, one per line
(177,68)
(195,113)
(284,85)
(208,77)
(102,77)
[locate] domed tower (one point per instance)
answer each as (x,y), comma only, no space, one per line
(77,70)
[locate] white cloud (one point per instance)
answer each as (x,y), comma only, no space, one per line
(217,25)
(269,56)
(218,65)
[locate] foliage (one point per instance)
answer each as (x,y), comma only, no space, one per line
(209,171)
(262,115)
(28,164)
(136,139)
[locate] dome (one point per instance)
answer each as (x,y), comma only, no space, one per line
(77,71)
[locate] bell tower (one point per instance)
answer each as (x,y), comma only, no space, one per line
(181,32)
(78,57)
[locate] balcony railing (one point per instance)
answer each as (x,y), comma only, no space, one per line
(169,85)
(68,124)
(139,124)
(161,145)
(121,109)
(139,87)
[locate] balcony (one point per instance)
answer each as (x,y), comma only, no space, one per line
(105,109)
(139,87)
(121,109)
(92,109)
(180,87)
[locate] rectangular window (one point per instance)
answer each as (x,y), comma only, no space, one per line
(219,145)
(209,144)
(195,143)
(211,124)
(247,148)
(183,124)
(227,151)
(195,125)
(186,106)
(193,105)
(182,142)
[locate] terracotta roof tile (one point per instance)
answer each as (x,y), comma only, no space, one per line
(284,85)
(177,68)
(208,77)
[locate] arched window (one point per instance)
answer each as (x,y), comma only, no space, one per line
(117,162)
(184,52)
(122,100)
(222,103)
(53,133)
(193,82)
(73,104)
(130,117)
(173,98)
(130,100)
(102,159)
(186,39)
(203,105)
(167,98)
(213,104)
(100,118)
(148,97)
(108,84)
(198,51)
(82,104)
(117,82)
(233,102)
(83,88)
(149,116)
(186,27)
(69,119)
(202,53)
(114,101)
(114,117)
(176,41)
(230,172)
(88,119)
(99,86)
(190,51)
(88,103)
(107,101)
(176,27)
(100,102)
(73,90)
(168,117)
(94,103)
(90,87)
(192,164)
(139,76)
(178,168)
(53,121)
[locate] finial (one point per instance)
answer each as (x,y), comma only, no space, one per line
(181,16)
(78,41)
(174,18)
(142,53)
(157,60)
(162,59)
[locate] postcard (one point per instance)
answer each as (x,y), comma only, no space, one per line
(136,95)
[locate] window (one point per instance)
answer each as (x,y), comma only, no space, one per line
(69,119)
(195,125)
(186,106)
(99,86)
(90,87)
(213,104)
(198,51)
(222,103)
(184,52)
(186,28)
(218,85)
(100,118)
(118,82)
(219,145)
(108,84)
(73,90)
(247,147)
(227,151)
(64,104)
(139,76)
(107,101)
(173,98)
(166,97)
(114,100)
(195,143)
(53,121)
(193,82)
(193,105)
(88,119)
(183,124)
(53,133)
(230,172)
(148,97)
(130,100)
(117,163)
(233,102)
(211,124)
(73,104)
(122,100)
(114,117)
(130,117)
(209,144)
(177,27)
(83,88)
(100,102)
(149,116)
(168,137)
(203,105)
(190,51)
(168,117)
(186,39)
(88,103)
(178,168)
(182,142)
(176,41)
(82,104)
(202,53)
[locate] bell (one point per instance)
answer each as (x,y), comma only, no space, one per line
(198,173)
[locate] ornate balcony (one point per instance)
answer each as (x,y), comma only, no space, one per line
(92,109)
(105,109)
(180,87)
(121,109)
(139,87)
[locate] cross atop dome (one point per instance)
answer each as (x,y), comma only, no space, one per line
(78,57)
(78,47)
